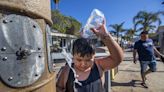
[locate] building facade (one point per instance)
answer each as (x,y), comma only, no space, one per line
(160,33)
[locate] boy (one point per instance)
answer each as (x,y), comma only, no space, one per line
(90,71)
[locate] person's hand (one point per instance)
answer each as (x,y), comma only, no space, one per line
(134,60)
(162,58)
(101,31)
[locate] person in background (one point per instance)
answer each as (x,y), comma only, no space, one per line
(146,53)
(89,70)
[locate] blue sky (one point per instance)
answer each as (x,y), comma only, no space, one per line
(115,11)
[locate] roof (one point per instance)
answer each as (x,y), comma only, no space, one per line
(58,34)
(160,29)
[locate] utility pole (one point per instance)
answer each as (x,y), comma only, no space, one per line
(25,62)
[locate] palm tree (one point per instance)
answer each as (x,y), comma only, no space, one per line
(130,33)
(118,28)
(126,37)
(56,3)
(145,21)
(162,2)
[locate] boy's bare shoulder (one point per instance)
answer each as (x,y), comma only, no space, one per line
(64,69)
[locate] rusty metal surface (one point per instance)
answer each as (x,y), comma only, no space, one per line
(21,51)
(32,8)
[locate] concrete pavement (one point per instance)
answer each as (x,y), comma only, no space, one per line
(128,78)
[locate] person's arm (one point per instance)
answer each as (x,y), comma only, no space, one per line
(116,52)
(134,56)
(61,79)
(158,53)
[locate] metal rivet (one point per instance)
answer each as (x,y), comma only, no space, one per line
(10,78)
(39,56)
(15,45)
(36,74)
(4,59)
(3,49)
(19,74)
(34,26)
(39,48)
(4,21)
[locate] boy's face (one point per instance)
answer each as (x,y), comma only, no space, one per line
(83,63)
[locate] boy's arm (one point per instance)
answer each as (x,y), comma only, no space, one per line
(61,79)
(116,52)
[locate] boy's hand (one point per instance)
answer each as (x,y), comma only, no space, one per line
(101,31)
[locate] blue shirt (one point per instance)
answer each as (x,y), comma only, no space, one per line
(145,50)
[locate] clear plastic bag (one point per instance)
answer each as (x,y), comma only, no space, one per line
(94,21)
(69,62)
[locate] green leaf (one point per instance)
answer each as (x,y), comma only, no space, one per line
(65,24)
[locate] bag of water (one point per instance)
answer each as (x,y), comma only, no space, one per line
(95,20)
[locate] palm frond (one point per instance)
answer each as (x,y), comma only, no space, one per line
(144,21)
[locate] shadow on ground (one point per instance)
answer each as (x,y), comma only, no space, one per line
(132,83)
(129,71)
(137,71)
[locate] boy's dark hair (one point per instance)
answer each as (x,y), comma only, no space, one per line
(83,47)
